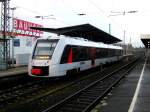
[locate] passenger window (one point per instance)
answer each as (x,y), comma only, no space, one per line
(65,54)
(75,54)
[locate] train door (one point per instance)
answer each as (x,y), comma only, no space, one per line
(92,54)
(82,57)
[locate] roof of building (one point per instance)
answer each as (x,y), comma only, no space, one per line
(86,31)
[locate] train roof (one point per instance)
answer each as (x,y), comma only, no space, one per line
(86,31)
(89,43)
(82,42)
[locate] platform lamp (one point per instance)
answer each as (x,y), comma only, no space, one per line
(46,17)
(81,14)
(12,36)
(52,17)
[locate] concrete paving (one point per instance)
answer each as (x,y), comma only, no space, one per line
(14,71)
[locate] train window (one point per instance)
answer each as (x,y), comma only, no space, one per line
(82,53)
(116,52)
(111,53)
(88,53)
(103,53)
(119,52)
(97,53)
(75,54)
(44,49)
(65,54)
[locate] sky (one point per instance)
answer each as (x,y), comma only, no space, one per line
(60,13)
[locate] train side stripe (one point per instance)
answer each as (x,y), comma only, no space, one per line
(69,60)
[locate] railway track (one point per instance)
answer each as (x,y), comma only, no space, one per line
(53,96)
(18,91)
(85,99)
(12,81)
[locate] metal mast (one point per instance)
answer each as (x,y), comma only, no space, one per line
(5,29)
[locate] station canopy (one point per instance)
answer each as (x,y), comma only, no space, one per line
(146,42)
(85,31)
(145,38)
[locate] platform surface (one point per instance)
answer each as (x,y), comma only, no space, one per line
(133,92)
(13,71)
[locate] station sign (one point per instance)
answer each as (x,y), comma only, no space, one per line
(16,42)
(22,28)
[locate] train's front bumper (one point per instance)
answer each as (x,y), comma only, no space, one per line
(40,70)
(40,67)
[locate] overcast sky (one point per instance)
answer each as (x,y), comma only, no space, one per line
(65,13)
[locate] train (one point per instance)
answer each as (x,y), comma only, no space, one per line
(61,56)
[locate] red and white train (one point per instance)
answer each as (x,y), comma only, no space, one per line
(64,55)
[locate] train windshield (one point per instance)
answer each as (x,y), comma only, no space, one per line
(44,49)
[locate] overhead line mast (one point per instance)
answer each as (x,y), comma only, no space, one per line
(5,28)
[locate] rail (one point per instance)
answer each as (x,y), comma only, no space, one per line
(85,99)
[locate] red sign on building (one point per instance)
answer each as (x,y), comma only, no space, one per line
(22,28)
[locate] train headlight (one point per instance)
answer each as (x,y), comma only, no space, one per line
(42,57)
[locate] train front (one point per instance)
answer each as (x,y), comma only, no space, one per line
(41,58)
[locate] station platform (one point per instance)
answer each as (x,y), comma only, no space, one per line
(13,71)
(132,94)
